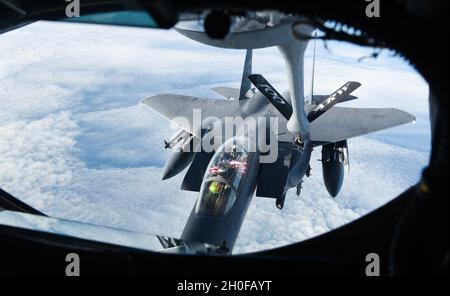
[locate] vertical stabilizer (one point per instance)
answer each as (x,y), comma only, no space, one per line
(245,83)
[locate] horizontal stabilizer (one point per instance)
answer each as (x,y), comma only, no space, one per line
(271,94)
(227,92)
(341,123)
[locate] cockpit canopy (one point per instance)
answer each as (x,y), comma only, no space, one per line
(222,179)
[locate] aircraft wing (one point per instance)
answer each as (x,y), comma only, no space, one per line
(341,123)
(227,92)
(180,109)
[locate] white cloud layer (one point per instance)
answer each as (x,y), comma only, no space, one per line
(75,144)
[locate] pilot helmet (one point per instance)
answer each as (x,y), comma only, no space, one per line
(215,187)
(222,170)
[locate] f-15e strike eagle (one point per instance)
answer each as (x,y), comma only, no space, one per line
(263,158)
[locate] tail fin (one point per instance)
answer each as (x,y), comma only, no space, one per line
(333,99)
(245,83)
(271,94)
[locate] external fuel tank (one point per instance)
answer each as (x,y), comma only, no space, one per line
(334,161)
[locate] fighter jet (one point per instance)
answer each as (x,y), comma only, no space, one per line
(265,159)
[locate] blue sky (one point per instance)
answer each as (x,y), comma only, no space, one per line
(76,144)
